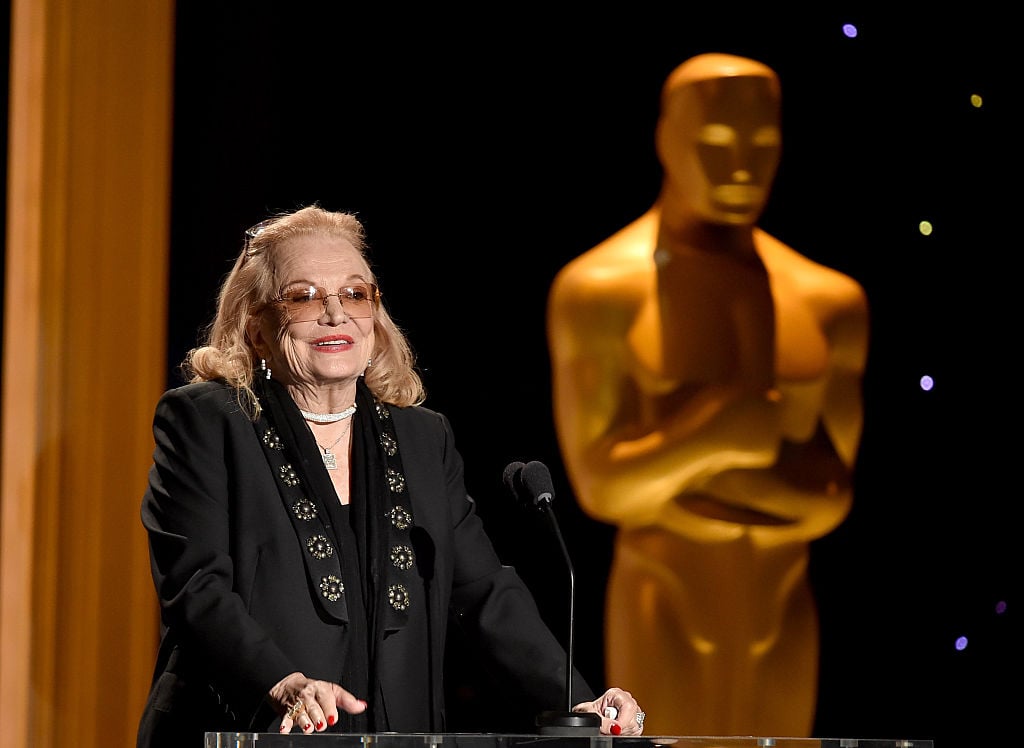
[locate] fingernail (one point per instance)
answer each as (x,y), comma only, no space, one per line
(363,703)
(616,729)
(332,719)
(320,725)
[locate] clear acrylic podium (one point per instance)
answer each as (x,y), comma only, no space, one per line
(489,740)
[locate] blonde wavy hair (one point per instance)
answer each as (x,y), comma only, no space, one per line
(227,352)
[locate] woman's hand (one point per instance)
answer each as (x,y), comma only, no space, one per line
(311,704)
(620,714)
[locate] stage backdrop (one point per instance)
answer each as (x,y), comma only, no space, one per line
(486,149)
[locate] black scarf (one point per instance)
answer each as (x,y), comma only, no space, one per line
(358,557)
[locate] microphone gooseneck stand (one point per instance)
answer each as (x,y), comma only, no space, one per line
(531,484)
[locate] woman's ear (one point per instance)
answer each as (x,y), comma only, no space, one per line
(254,333)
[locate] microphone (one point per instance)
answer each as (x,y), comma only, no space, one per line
(530,484)
(513,478)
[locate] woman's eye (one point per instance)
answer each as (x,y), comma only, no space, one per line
(299,295)
(355,294)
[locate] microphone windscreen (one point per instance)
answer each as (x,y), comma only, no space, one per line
(514,481)
(538,483)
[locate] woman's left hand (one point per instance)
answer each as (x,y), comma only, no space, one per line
(620,714)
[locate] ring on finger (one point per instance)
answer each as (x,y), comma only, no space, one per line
(295,709)
(640,717)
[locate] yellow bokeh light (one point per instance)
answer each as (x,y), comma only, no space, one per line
(976,101)
(925,227)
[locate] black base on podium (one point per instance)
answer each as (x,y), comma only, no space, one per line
(569,723)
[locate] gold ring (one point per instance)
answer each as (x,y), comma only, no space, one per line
(295,709)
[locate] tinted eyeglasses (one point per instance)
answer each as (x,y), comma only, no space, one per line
(307,303)
(252,232)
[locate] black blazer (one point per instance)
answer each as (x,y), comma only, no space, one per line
(238,613)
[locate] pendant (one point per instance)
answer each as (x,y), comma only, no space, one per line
(330,462)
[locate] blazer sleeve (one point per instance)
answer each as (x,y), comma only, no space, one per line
(200,436)
(493,605)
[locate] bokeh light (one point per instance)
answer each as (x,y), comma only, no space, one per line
(927,383)
(849,30)
(925,227)
(961,643)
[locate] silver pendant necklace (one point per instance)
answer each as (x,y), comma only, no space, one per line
(329,458)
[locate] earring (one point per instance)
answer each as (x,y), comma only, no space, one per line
(369,363)
(264,368)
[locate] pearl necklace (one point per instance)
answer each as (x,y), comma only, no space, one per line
(328,417)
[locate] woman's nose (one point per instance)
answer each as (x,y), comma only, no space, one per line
(335,310)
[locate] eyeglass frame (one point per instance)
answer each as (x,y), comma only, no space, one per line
(373,298)
(251,233)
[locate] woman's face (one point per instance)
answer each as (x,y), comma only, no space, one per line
(318,346)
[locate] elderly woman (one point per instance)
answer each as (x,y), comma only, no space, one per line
(309,527)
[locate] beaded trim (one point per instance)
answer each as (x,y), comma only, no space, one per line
(400,551)
(323,563)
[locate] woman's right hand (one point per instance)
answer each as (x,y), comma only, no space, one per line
(311,705)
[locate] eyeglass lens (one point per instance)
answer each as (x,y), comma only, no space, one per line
(309,302)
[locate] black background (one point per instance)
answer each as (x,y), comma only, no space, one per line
(486,146)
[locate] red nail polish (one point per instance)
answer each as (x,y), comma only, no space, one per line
(332,719)
(320,725)
(616,729)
